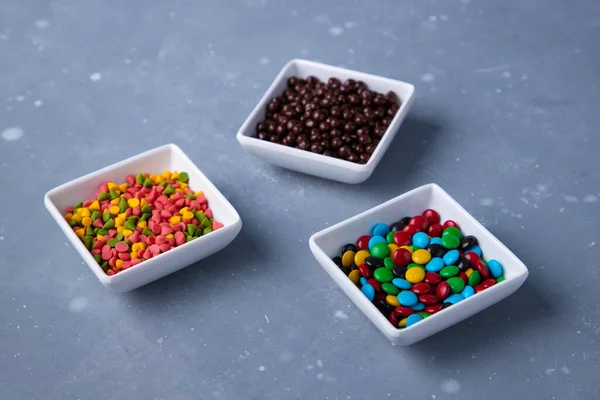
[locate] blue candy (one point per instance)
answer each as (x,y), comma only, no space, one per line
(376,239)
(420,239)
(407,298)
(451,257)
(495,268)
(401,283)
(363,281)
(435,265)
(369,291)
(475,249)
(435,240)
(413,319)
(453,298)
(468,291)
(380,230)
(418,307)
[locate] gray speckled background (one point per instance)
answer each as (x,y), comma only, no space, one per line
(506,120)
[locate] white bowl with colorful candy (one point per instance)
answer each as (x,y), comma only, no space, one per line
(416,264)
(138,220)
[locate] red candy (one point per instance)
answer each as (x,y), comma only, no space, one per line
(376,284)
(435,230)
(394,320)
(403,311)
(419,222)
(421,288)
(428,299)
(365,271)
(400,238)
(402,257)
(431,216)
(451,223)
(363,242)
(464,277)
(411,230)
(483,269)
(432,278)
(473,258)
(443,290)
(433,308)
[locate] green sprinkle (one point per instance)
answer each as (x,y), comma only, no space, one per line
(184,177)
(207,230)
(73,223)
(87,240)
(147,232)
(144,217)
(147,182)
(95,215)
(78,205)
(146,209)
(129,224)
(98,258)
(132,218)
(191,228)
(96,231)
(123,204)
(140,179)
(189,238)
(89,231)
(113,194)
(169,190)
(102,232)
(105,216)
(109,224)
(200,215)
(103,196)
(112,242)
(104,266)
(119,236)
(163,184)
(205,223)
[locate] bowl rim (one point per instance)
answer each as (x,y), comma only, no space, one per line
(244,137)
(129,273)
(373,312)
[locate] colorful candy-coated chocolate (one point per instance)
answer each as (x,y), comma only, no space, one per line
(435,265)
(462,263)
(380,230)
(421,240)
(435,230)
(450,241)
(474,278)
(456,284)
(407,298)
(402,323)
(360,257)
(483,269)
(383,306)
(467,292)
(368,291)
(436,250)
(363,280)
(349,247)
(401,283)
(376,285)
(365,271)
(404,311)
(413,265)
(399,271)
(413,319)
(474,249)
(451,223)
(421,256)
(431,216)
(402,238)
(428,299)
(467,242)
(393,318)
(452,231)
(418,307)
(415,275)
(442,290)
(390,237)
(392,300)
(454,298)
(451,257)
(390,288)
(392,247)
(383,275)
(419,222)
(374,262)
(435,240)
(472,257)
(402,257)
(399,225)
(348,258)
(354,276)
(337,260)
(408,248)
(502,278)
(488,283)
(411,229)
(496,269)
(449,271)
(388,262)
(380,250)
(432,278)
(433,308)
(421,288)
(376,239)
(363,242)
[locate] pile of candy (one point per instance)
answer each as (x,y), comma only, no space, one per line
(417,267)
(342,120)
(147,215)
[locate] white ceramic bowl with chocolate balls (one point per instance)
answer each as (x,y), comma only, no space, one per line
(326,121)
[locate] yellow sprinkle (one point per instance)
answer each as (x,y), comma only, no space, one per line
(76,217)
(187,215)
(174,175)
(183,186)
(200,193)
(143,203)
(85,212)
(86,221)
(175,220)
(119,221)
(135,247)
(169,236)
(127,233)
(142,224)
(159,179)
(133,202)
(153,178)
(133,254)
(142,245)
(184,209)
(166,174)
(95,206)
(113,186)
(68,216)
(119,263)
(123,187)
(99,237)
(114,210)
(115,201)
(120,228)
(80,232)
(172,196)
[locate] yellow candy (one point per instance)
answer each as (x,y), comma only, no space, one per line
(120,228)
(84,212)
(115,201)
(174,175)
(153,178)
(172,196)
(402,323)
(393,247)
(86,221)
(348,258)
(175,220)
(95,206)
(183,186)
(127,233)
(113,186)
(178,190)
(142,245)
(68,216)
(166,175)
(187,215)
(159,179)
(407,248)
(119,263)
(354,276)
(169,236)
(359,257)
(99,237)
(200,193)
(80,232)
(142,224)
(415,274)
(114,210)
(133,202)
(123,187)
(468,272)
(76,217)
(135,247)
(122,215)
(392,300)
(119,221)
(134,254)
(421,256)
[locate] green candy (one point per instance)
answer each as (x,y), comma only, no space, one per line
(129,224)
(104,266)
(132,218)
(390,237)
(475,278)
(87,240)
(78,205)
(414,248)
(112,242)
(412,265)
(98,258)
(388,262)
(113,195)
(191,196)
(89,231)
(424,314)
(380,250)
(147,183)
(450,241)
(389,288)
(207,230)
(95,215)
(105,216)
(456,284)
(205,223)
(500,279)
(109,224)
(163,184)
(146,209)
(140,179)
(189,238)
(123,204)
(191,228)
(103,196)
(200,215)
(169,190)
(383,275)
(119,236)
(102,232)
(184,177)
(147,232)
(144,217)
(452,231)
(96,231)
(449,271)
(73,223)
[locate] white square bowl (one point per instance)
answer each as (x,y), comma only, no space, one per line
(318,164)
(167,157)
(328,242)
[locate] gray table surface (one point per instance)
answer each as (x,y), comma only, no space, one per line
(505,119)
